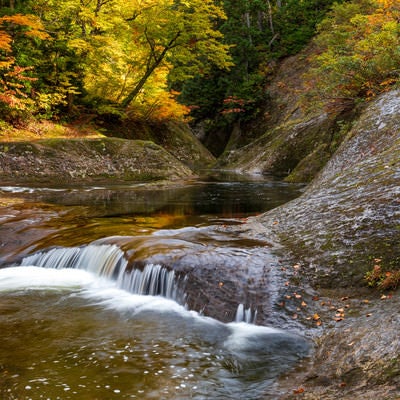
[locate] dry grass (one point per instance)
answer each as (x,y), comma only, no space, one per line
(35,130)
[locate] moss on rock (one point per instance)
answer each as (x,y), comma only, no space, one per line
(78,161)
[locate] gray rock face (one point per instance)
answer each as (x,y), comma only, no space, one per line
(350,214)
(347,217)
(79,161)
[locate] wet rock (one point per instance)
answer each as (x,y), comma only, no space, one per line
(348,217)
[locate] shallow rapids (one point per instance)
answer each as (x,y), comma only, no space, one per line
(97,311)
(82,337)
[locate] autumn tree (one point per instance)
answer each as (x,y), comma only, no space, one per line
(15,83)
(360,45)
(181,36)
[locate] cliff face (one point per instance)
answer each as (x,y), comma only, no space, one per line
(348,220)
(351,211)
(290,139)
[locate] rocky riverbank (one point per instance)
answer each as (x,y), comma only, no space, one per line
(87,161)
(347,222)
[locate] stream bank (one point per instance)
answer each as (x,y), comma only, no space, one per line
(347,221)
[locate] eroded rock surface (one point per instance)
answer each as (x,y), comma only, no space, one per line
(348,217)
(80,161)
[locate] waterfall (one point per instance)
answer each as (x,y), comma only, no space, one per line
(109,261)
(245,315)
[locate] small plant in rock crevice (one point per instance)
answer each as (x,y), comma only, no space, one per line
(382,278)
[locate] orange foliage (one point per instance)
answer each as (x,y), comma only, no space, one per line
(5,41)
(13,76)
(160,107)
(31,22)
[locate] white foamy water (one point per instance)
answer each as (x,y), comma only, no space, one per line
(73,320)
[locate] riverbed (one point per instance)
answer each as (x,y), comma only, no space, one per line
(84,315)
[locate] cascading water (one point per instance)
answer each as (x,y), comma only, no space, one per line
(109,261)
(245,315)
(66,334)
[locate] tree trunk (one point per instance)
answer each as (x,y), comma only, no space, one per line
(151,66)
(132,94)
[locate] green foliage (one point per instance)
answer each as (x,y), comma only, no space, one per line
(360,45)
(258,33)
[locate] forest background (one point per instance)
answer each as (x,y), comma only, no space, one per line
(201,61)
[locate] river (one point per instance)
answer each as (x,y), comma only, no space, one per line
(139,292)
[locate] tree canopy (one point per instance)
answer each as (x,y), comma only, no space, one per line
(166,58)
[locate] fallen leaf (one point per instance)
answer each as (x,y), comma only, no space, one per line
(340,310)
(303,304)
(318,323)
(316,317)
(300,390)
(344,298)
(294,316)
(298,296)
(368,315)
(297,266)
(338,319)
(383,297)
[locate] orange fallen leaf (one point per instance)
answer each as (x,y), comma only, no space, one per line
(340,310)
(300,390)
(298,296)
(303,304)
(316,317)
